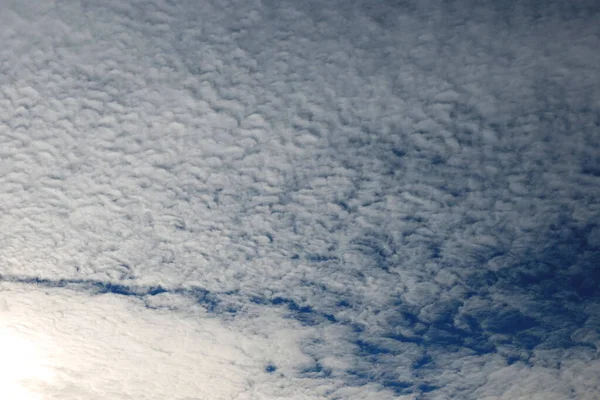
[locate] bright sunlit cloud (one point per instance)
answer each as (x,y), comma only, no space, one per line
(21,366)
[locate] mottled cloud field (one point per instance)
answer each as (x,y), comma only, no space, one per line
(299,200)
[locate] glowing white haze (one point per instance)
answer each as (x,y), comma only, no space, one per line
(57,344)
(21,365)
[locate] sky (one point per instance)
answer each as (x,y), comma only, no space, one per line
(246,200)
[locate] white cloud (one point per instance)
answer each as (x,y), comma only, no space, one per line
(111,346)
(261,199)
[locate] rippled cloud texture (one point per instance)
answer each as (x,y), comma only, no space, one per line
(300,200)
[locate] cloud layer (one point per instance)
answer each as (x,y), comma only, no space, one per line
(279,199)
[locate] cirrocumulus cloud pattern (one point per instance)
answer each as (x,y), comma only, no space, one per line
(300,199)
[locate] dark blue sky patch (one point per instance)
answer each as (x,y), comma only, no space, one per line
(114,288)
(526,340)
(591,168)
(399,387)
(479,344)
(435,250)
(508,322)
(343,304)
(449,339)
(422,362)
(210,300)
(363,376)
(533,273)
(426,388)
(320,258)
(270,368)
(445,311)
(418,339)
(154,290)
(480,279)
(399,153)
(511,359)
(585,278)
(203,296)
(469,324)
(305,314)
(370,349)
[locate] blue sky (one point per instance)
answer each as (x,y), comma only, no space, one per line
(303,200)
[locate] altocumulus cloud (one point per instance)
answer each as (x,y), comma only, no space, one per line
(303,200)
